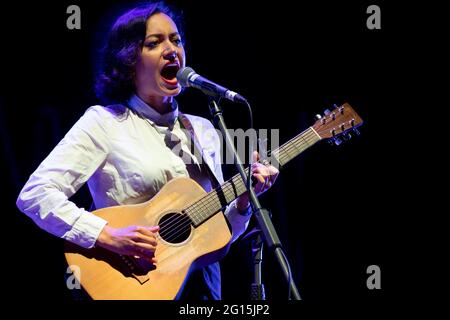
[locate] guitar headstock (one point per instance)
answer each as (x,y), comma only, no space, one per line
(338,122)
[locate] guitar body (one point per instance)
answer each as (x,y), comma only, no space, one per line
(107,275)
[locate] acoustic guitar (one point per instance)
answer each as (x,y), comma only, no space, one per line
(193,230)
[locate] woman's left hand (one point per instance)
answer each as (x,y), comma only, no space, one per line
(265,177)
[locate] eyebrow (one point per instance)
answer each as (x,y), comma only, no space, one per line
(159,35)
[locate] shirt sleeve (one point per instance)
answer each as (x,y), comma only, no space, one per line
(45,196)
(239,223)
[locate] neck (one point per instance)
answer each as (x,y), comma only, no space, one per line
(161,104)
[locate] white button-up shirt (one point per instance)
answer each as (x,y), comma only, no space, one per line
(122,154)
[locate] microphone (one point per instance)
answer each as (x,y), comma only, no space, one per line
(188,78)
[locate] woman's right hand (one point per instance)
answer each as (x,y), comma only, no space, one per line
(133,241)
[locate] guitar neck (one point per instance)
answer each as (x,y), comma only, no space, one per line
(223,195)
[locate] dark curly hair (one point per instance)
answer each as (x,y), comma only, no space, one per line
(115,81)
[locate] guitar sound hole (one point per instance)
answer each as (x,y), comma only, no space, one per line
(174,227)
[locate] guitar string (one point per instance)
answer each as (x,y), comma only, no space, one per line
(229,184)
(185,220)
(204,204)
(226,190)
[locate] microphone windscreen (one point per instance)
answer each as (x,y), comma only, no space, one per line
(183,76)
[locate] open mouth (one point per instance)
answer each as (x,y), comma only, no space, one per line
(169,73)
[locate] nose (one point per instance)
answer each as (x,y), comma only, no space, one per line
(170,53)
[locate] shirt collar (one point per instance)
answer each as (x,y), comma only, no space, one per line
(145,110)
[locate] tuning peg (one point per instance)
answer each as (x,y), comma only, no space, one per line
(346,136)
(356,131)
(337,141)
(335,106)
(318,117)
(327,112)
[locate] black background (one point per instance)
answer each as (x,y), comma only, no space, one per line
(337,209)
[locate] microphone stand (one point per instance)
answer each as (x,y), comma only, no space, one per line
(262,215)
(257,290)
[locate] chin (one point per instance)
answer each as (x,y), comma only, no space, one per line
(172,92)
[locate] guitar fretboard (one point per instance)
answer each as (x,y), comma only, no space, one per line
(219,198)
